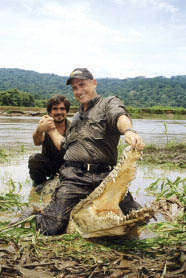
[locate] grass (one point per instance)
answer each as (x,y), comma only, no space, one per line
(157,112)
(171,155)
(170,232)
(11,201)
(19,108)
(3,155)
(7,152)
(165,188)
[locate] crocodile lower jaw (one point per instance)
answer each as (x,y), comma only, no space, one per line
(111,224)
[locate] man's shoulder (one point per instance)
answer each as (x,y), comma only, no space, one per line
(76,116)
(105,99)
(68,123)
(111,99)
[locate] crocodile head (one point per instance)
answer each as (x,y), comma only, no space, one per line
(99,214)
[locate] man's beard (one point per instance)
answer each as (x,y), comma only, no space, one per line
(58,121)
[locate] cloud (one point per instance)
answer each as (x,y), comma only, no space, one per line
(165,6)
(119,39)
(66,11)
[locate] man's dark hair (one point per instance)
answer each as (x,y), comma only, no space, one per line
(57,99)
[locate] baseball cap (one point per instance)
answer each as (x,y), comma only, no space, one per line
(80,73)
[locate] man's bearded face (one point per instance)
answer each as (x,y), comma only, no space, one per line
(58,112)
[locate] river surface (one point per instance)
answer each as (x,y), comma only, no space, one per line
(16,131)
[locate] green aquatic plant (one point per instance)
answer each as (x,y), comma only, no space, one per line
(165,188)
(3,155)
(22,148)
(173,230)
(9,152)
(10,200)
(166,132)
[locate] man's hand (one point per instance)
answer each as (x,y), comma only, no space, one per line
(134,140)
(131,137)
(45,124)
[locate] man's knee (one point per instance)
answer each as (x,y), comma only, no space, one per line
(37,168)
(34,159)
(62,192)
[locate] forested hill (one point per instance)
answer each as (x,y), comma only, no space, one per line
(138,92)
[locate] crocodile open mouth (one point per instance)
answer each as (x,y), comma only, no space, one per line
(99,214)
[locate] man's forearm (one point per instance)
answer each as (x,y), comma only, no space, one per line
(123,123)
(38,137)
(57,138)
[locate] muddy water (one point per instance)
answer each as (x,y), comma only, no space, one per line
(144,177)
(154,131)
(18,131)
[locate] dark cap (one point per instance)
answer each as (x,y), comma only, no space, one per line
(80,73)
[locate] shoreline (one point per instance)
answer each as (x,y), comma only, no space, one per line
(135,113)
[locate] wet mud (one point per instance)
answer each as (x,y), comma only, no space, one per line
(72,257)
(173,156)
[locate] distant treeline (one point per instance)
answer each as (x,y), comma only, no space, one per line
(11,99)
(15,97)
(154,110)
(136,92)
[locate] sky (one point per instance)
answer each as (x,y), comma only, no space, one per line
(112,38)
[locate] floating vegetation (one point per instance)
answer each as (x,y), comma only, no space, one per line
(165,188)
(8,152)
(11,201)
(171,202)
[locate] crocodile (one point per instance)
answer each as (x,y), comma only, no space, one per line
(99,214)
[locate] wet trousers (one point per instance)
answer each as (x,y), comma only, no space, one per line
(74,185)
(41,167)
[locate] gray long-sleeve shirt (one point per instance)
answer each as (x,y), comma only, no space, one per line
(93,135)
